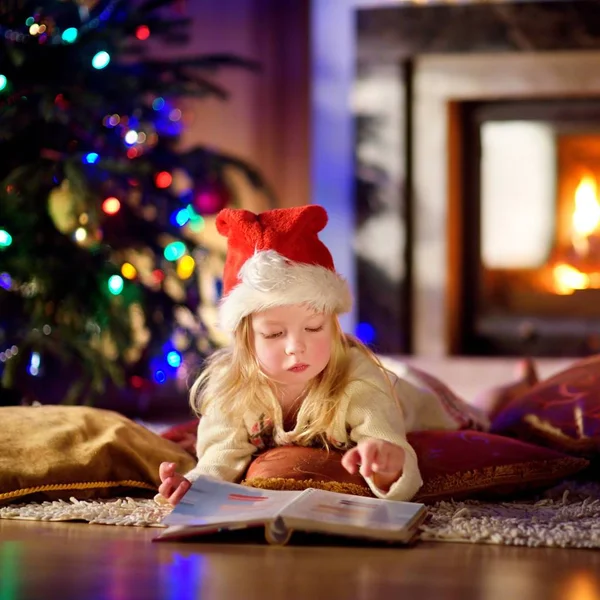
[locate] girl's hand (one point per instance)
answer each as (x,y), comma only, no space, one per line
(379,459)
(173,486)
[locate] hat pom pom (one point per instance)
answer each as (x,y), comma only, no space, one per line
(266,271)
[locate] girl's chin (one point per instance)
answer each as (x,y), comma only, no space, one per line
(290,378)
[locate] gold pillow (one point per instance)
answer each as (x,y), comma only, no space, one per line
(54,452)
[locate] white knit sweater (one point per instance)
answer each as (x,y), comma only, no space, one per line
(367,411)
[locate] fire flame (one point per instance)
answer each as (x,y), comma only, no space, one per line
(567,279)
(585,222)
(586,216)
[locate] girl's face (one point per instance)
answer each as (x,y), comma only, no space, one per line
(292,343)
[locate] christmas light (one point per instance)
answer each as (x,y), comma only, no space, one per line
(181,217)
(34,364)
(128,271)
(196,220)
(197,226)
(174,251)
(3,82)
(158,103)
(136,381)
(9,353)
(163,179)
(69,35)
(80,234)
(5,281)
(185,267)
(29,21)
(365,332)
(91,158)
(174,359)
(159,376)
(115,284)
(131,137)
(5,238)
(111,206)
(175,115)
(60,101)
(142,32)
(158,275)
(100,60)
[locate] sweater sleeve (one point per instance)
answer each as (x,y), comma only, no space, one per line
(374,413)
(223,449)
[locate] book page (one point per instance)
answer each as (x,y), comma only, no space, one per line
(344,513)
(213,502)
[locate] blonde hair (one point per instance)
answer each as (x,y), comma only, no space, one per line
(232,380)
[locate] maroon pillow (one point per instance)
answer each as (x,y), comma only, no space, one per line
(562,412)
(454,464)
(466,464)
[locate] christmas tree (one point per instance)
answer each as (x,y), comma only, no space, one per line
(98,208)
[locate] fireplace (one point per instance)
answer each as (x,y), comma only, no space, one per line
(484,152)
(531,213)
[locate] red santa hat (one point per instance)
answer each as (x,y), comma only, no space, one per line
(276,258)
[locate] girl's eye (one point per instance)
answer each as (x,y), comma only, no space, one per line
(272,336)
(315,329)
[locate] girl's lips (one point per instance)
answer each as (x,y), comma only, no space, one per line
(298,368)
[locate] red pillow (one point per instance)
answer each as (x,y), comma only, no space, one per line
(562,412)
(454,464)
(298,467)
(465,464)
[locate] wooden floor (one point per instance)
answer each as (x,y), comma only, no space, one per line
(77,561)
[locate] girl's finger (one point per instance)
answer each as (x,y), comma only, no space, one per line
(166,488)
(166,470)
(397,459)
(180,492)
(393,460)
(368,455)
(382,463)
(351,460)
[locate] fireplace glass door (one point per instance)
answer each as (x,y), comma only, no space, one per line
(531,228)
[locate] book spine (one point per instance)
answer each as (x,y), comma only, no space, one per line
(276,532)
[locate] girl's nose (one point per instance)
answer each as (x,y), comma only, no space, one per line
(295,346)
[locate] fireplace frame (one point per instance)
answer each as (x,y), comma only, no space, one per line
(441,84)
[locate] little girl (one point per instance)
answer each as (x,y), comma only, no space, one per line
(290,375)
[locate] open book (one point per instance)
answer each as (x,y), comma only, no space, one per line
(211,506)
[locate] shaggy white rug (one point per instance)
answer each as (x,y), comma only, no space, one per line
(566,516)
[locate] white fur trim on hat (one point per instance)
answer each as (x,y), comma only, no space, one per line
(268,279)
